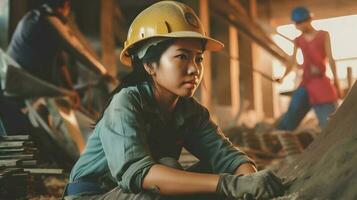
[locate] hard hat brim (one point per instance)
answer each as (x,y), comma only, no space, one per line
(211,45)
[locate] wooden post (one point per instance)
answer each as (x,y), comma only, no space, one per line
(349,78)
(234,69)
(107,36)
(246,65)
(206,87)
(257,78)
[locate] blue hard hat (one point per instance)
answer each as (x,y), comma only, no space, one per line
(300,14)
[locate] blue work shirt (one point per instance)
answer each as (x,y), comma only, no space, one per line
(132,136)
(35,44)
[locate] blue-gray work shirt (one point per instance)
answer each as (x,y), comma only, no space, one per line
(132,136)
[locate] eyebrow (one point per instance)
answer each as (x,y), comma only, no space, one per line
(188,51)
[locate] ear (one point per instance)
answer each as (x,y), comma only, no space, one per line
(150,69)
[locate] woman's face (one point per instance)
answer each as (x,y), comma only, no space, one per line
(180,69)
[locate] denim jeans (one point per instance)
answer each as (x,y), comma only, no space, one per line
(323,111)
(299,106)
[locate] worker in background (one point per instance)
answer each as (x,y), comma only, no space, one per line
(316,90)
(36,46)
(152,115)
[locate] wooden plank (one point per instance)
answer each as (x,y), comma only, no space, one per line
(8,171)
(17,162)
(28,162)
(19,156)
(15,150)
(44,171)
(15,138)
(20,175)
(20,83)
(9,162)
(18,151)
(12,144)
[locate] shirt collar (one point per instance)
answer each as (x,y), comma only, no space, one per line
(181,113)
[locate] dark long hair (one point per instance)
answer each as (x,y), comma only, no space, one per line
(139,74)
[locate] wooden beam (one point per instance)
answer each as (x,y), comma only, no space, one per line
(233,13)
(107,36)
(257,78)
(234,69)
(73,43)
(206,87)
(120,27)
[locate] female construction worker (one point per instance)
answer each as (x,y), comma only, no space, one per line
(152,115)
(315,90)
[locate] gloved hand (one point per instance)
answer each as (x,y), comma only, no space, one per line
(260,185)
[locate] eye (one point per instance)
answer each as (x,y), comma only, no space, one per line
(199,59)
(182,57)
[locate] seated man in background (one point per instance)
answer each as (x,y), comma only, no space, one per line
(36,45)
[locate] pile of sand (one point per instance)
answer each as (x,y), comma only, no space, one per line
(328,167)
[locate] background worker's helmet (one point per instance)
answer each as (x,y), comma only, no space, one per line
(300,14)
(165,19)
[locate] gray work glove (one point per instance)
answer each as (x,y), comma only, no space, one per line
(260,185)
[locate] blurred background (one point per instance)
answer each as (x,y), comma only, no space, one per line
(239,86)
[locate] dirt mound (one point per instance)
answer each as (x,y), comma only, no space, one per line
(328,167)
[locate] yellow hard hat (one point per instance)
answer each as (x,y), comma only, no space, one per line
(166,19)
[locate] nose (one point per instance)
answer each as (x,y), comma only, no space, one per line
(193,68)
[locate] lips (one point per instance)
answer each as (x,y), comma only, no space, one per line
(191,83)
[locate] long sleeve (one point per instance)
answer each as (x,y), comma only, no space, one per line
(123,139)
(207,143)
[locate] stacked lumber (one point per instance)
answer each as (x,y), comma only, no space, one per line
(18,166)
